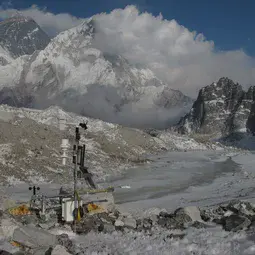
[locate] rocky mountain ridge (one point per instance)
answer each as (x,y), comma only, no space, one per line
(20,36)
(221,108)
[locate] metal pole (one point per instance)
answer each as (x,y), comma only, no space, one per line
(74,188)
(77,138)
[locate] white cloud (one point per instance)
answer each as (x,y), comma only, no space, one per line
(51,23)
(185,59)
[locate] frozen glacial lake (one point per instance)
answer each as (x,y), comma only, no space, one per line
(174,179)
(183,178)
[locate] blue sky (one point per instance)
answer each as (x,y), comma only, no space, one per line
(229,23)
(185,60)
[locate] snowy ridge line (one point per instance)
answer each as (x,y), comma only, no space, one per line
(69,69)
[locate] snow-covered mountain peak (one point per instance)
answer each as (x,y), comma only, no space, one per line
(21,35)
(87,28)
(75,38)
(73,73)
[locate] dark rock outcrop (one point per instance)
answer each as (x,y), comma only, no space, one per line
(221,108)
(235,223)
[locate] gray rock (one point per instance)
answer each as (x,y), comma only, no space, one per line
(162,222)
(89,223)
(33,237)
(192,211)
(241,207)
(42,251)
(199,224)
(29,220)
(165,214)
(204,215)
(176,236)
(178,222)
(108,228)
(147,224)
(47,225)
(119,223)
(180,218)
(59,250)
(154,218)
(130,223)
(106,218)
(175,222)
(7,228)
(236,222)
(65,241)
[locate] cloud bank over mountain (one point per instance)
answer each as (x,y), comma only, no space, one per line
(183,58)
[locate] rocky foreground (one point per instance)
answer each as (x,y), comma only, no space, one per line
(36,235)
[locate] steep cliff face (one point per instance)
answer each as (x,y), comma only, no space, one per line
(221,108)
(250,125)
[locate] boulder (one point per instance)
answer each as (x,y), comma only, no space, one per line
(165,214)
(60,250)
(147,224)
(32,237)
(154,218)
(65,241)
(107,218)
(7,228)
(242,208)
(41,251)
(199,224)
(179,218)
(236,222)
(178,222)
(119,223)
(108,228)
(29,220)
(89,223)
(204,215)
(130,223)
(192,211)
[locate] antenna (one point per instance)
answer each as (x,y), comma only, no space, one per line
(79,170)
